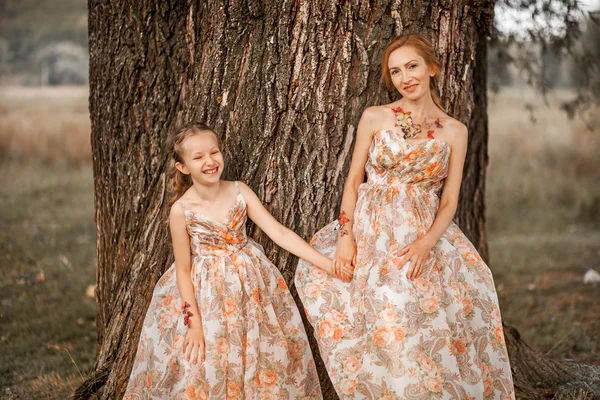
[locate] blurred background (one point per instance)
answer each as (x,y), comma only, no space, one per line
(543,190)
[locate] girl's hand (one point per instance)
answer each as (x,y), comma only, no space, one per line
(344,259)
(193,345)
(416,252)
(344,272)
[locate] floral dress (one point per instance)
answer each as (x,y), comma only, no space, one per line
(256,345)
(383,336)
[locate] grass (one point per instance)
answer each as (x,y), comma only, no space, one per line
(45,126)
(543,222)
(543,210)
(47,238)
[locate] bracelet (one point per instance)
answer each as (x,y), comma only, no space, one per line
(187,314)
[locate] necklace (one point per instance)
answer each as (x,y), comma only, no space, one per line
(409,128)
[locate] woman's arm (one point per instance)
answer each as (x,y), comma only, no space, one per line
(449,201)
(369,121)
(417,252)
(194,341)
(282,236)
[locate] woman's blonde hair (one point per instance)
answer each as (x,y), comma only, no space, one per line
(178,181)
(425,49)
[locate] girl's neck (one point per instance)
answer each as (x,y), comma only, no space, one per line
(420,108)
(207,193)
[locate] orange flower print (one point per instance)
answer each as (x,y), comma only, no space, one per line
(313,290)
(269,378)
(222,346)
(499,334)
(190,392)
(411,156)
(167,300)
(389,315)
(488,386)
(281,283)
(167,320)
(337,316)
(234,390)
(434,384)
(174,365)
(429,305)
(177,342)
(326,328)
(467,305)
(348,386)
(423,286)
(351,365)
(472,258)
(434,168)
(318,274)
(256,295)
(426,364)
(459,346)
(382,337)
(338,333)
(148,381)
(399,335)
(294,349)
(230,306)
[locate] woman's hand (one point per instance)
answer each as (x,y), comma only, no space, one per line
(193,345)
(416,252)
(344,260)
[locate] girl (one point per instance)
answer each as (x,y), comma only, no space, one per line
(420,319)
(222,323)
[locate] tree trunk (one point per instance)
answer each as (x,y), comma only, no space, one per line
(284,82)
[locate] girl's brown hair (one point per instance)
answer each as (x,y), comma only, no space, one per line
(425,49)
(180,182)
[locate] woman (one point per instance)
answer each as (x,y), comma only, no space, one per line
(420,319)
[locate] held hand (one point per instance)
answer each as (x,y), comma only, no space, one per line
(344,272)
(193,345)
(343,261)
(416,252)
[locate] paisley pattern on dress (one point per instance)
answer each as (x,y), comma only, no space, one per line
(256,345)
(384,336)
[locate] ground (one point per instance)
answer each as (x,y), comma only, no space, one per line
(543,211)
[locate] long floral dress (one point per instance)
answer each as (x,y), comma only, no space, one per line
(383,336)
(256,345)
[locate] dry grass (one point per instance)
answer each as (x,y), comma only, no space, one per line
(542,175)
(47,125)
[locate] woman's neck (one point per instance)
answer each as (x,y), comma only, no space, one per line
(420,108)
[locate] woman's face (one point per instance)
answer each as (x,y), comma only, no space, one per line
(409,72)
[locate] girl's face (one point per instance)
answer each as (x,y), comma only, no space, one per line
(409,72)
(202,158)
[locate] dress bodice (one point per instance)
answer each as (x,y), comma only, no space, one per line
(211,238)
(394,161)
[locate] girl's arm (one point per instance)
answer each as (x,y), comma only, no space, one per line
(418,251)
(282,236)
(194,341)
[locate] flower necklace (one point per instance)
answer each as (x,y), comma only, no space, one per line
(409,128)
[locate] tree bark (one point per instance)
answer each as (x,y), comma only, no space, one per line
(284,82)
